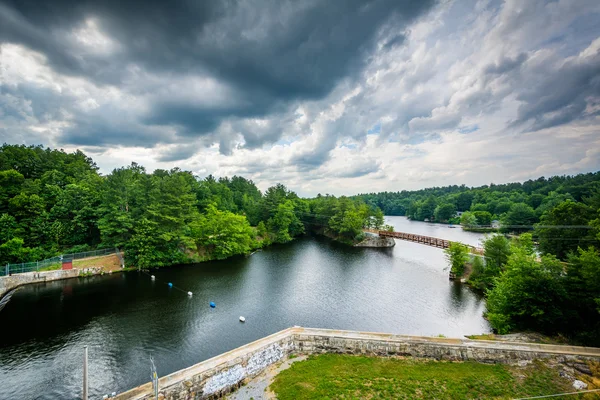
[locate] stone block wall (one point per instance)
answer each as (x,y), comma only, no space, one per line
(8,283)
(220,375)
(215,377)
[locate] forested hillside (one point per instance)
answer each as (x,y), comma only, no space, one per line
(440,203)
(53,202)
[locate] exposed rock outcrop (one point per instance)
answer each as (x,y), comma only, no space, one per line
(376,241)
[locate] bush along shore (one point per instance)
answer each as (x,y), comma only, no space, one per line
(526,291)
(53,202)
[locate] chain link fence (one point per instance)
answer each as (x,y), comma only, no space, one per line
(51,263)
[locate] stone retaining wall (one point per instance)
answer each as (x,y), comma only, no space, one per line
(8,283)
(222,374)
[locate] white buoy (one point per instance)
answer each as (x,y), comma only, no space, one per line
(242,319)
(152,277)
(189,293)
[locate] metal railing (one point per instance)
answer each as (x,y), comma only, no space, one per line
(51,263)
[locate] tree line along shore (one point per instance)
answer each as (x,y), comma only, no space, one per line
(53,202)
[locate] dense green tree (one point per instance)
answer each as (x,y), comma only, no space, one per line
(564,228)
(583,286)
(464,200)
(502,207)
(222,234)
(444,212)
(468,219)
(529,295)
(10,186)
(458,256)
(520,218)
(479,207)
(8,227)
(376,220)
(283,222)
(484,218)
(426,210)
(496,252)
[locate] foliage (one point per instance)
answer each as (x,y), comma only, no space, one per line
(329,376)
(52,202)
(284,223)
(528,295)
(564,228)
(343,218)
(520,218)
(468,219)
(540,195)
(222,233)
(583,285)
(483,217)
(478,274)
(496,252)
(444,212)
(457,255)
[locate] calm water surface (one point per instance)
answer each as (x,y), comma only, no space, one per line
(124,318)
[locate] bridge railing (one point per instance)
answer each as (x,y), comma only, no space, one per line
(428,240)
(51,263)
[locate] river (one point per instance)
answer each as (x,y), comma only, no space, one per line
(125,318)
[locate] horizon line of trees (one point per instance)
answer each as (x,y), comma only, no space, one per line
(552,288)
(53,202)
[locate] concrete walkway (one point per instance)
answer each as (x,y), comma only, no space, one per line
(257,388)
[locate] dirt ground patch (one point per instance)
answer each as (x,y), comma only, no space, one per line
(108,263)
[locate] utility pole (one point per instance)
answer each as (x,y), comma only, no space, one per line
(154,377)
(85,373)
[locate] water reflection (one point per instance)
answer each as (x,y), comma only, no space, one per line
(124,318)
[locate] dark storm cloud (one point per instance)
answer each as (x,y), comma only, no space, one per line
(269,52)
(178,153)
(506,65)
(355,171)
(561,94)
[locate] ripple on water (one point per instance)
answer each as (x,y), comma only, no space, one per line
(125,318)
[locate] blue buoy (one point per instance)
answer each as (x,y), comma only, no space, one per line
(212,304)
(170,284)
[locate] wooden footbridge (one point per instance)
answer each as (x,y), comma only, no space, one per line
(426,240)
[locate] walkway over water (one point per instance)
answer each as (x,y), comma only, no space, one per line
(426,240)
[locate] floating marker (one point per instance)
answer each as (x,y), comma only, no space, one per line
(152,277)
(242,319)
(212,304)
(170,284)
(189,293)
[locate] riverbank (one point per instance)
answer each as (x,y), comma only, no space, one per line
(84,267)
(311,281)
(227,372)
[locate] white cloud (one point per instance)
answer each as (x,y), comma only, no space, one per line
(522,77)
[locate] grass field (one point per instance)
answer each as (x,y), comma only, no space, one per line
(332,376)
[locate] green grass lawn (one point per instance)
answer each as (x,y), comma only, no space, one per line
(333,376)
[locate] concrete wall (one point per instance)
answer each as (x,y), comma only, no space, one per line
(222,374)
(8,283)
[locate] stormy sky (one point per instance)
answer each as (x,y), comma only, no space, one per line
(333,97)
